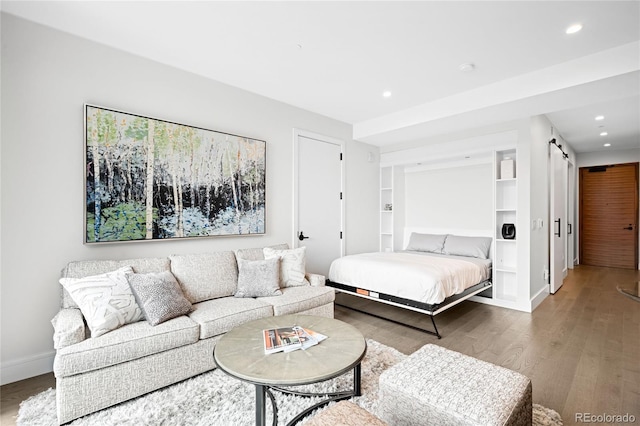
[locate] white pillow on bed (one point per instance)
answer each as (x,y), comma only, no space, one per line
(467,246)
(431,243)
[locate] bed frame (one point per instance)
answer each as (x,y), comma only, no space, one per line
(425,308)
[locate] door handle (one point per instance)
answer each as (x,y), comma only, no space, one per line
(302,237)
(557,234)
(629,228)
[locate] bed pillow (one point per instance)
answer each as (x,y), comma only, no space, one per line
(258,278)
(106,300)
(292,265)
(431,243)
(467,246)
(159,295)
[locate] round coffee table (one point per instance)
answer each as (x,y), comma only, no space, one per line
(240,354)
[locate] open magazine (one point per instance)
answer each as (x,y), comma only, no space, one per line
(287,339)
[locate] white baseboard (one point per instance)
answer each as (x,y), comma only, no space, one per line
(539,297)
(24,368)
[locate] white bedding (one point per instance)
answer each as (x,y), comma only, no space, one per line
(427,278)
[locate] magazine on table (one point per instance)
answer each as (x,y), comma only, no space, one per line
(287,339)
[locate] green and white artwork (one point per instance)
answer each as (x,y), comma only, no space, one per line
(149,179)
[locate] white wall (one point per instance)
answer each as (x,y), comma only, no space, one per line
(538,149)
(451,198)
(47,75)
(606,157)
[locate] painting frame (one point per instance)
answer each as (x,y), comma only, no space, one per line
(158,180)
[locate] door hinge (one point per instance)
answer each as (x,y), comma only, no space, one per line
(340,234)
(341,195)
(340,156)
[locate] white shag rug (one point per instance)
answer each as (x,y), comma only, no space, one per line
(214,398)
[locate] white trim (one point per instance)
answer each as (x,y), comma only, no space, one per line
(327,139)
(24,368)
(537,299)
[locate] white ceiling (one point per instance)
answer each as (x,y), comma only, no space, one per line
(336,58)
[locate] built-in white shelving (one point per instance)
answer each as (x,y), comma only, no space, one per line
(391,205)
(505,264)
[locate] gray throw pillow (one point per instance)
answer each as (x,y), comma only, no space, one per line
(431,243)
(467,246)
(258,278)
(159,296)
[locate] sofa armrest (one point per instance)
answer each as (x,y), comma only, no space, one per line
(316,280)
(68,328)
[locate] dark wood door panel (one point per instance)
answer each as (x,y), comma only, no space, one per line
(608,207)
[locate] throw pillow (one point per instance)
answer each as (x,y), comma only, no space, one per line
(106,300)
(258,278)
(292,265)
(159,296)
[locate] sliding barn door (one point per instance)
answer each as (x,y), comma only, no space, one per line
(558,214)
(609,216)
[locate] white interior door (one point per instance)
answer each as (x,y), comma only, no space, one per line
(558,215)
(319,200)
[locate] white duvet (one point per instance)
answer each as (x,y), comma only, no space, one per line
(415,276)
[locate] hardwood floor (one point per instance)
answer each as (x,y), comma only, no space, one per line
(581,347)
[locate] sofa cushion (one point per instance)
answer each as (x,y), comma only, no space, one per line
(258,278)
(206,276)
(106,300)
(218,316)
(297,299)
(257,253)
(84,268)
(159,295)
(292,265)
(124,344)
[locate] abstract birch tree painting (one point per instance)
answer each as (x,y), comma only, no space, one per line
(150,179)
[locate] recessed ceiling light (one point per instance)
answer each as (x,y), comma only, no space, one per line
(574,28)
(604,134)
(607,144)
(386,94)
(599,117)
(467,67)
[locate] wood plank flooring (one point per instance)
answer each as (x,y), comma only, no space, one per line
(581,347)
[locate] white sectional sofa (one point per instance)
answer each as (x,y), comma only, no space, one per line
(137,358)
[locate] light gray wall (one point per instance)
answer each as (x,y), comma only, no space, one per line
(47,76)
(606,157)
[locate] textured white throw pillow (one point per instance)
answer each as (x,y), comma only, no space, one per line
(292,265)
(106,300)
(159,296)
(258,278)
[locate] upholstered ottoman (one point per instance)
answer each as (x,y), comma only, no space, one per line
(345,413)
(436,386)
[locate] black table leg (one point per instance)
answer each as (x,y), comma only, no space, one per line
(356,381)
(261,411)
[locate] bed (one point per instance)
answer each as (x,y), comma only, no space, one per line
(433,273)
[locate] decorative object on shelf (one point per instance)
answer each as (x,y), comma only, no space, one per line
(149,179)
(508,231)
(388,207)
(507,169)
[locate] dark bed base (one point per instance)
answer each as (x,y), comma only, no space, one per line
(424,308)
